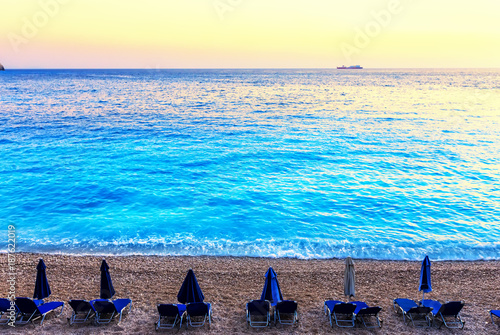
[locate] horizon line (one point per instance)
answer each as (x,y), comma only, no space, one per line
(251,68)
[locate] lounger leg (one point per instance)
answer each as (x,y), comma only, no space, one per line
(43,318)
(20,321)
(458,321)
(62,308)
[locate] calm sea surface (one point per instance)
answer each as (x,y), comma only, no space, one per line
(383,164)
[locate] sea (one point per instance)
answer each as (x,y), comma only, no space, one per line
(389,164)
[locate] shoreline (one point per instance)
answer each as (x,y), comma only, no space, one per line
(104,255)
(228,282)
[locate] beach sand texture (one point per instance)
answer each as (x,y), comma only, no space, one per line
(229,282)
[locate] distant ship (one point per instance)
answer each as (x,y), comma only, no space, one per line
(353,67)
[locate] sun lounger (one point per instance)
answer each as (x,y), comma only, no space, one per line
(5,310)
(418,315)
(106,310)
(340,312)
(170,315)
(285,312)
(82,311)
(198,313)
(447,313)
(29,311)
(494,313)
(364,314)
(258,313)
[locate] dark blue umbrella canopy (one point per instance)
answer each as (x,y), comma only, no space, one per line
(107,289)
(190,290)
(271,291)
(425,276)
(42,288)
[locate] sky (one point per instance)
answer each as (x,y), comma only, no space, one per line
(249,33)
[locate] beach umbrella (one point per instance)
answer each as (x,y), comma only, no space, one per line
(107,289)
(425,277)
(271,291)
(42,288)
(349,278)
(190,290)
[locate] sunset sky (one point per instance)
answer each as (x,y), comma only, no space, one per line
(249,33)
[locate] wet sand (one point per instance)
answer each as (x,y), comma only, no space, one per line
(229,282)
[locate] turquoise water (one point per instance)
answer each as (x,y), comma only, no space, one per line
(383,164)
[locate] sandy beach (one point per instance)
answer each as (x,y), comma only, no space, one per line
(229,282)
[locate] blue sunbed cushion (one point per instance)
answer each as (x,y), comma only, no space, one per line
(171,309)
(495,313)
(405,304)
(26,305)
(198,308)
(120,304)
(359,305)
(434,304)
(38,302)
(49,306)
(81,306)
(451,308)
(286,306)
(105,306)
(4,305)
(340,307)
(331,303)
(258,307)
(182,308)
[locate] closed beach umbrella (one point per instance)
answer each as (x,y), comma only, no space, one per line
(271,291)
(190,290)
(425,277)
(42,288)
(349,278)
(107,289)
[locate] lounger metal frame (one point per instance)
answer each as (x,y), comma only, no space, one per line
(277,313)
(195,324)
(33,316)
(491,315)
(369,312)
(455,322)
(2,313)
(84,316)
(165,318)
(422,313)
(99,316)
(267,316)
(342,323)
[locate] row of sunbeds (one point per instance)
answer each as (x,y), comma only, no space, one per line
(25,310)
(196,312)
(259,313)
